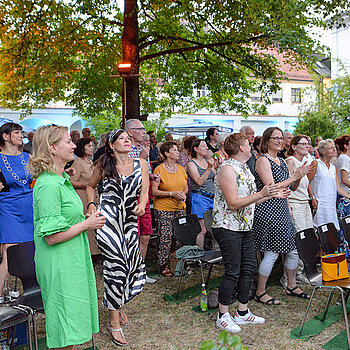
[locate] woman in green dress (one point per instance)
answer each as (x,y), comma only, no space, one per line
(62,257)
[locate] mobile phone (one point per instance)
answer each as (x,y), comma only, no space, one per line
(4,183)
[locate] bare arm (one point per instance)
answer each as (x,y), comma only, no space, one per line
(263,168)
(95,221)
(312,173)
(179,195)
(96,177)
(140,207)
(344,175)
(340,190)
(227,181)
(193,172)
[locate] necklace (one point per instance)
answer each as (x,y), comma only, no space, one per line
(14,175)
(273,158)
(170,169)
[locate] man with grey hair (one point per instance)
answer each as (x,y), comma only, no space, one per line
(137,133)
(249,132)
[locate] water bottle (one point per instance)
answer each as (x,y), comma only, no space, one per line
(204,299)
(6,294)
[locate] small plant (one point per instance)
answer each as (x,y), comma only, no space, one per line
(226,341)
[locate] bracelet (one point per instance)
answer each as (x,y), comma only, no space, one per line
(312,197)
(170,194)
(87,207)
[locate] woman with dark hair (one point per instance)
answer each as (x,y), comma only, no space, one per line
(202,175)
(16,196)
(125,180)
(169,200)
(211,140)
(273,229)
(83,171)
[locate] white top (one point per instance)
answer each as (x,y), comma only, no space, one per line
(300,194)
(324,188)
(343,163)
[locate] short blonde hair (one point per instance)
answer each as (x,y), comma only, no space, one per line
(321,149)
(42,158)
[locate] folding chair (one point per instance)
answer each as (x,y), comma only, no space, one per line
(208,223)
(329,238)
(308,247)
(21,264)
(186,228)
(345,223)
(10,317)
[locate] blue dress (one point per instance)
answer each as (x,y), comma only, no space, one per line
(16,206)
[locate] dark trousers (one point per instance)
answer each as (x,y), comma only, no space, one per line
(239,259)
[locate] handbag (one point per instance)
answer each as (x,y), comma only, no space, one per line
(334,267)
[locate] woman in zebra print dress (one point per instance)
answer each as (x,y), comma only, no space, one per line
(124,180)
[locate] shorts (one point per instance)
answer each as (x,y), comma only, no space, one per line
(145,222)
(200,204)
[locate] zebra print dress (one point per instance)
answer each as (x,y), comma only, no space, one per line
(123,270)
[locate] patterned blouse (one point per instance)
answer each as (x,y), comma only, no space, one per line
(235,220)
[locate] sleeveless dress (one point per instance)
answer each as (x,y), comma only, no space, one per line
(273,229)
(123,269)
(324,188)
(16,206)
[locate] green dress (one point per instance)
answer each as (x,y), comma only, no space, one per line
(64,270)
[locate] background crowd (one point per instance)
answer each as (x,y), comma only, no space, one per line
(83,202)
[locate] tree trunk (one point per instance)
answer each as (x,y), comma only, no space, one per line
(131,100)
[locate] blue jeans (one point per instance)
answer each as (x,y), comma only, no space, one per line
(238,255)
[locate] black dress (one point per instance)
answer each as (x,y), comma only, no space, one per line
(273,228)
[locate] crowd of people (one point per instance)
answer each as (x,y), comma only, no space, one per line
(84,202)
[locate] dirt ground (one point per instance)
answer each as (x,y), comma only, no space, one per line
(157,324)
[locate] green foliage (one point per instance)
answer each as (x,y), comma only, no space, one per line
(259,108)
(328,113)
(52,50)
(106,121)
(226,341)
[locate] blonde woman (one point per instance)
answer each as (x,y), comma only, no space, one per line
(62,256)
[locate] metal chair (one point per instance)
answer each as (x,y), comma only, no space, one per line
(186,228)
(345,223)
(21,264)
(308,247)
(208,223)
(10,317)
(329,238)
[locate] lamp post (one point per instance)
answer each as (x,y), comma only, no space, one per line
(124,69)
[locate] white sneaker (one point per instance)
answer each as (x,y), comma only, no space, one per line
(249,318)
(300,278)
(227,322)
(150,280)
(284,281)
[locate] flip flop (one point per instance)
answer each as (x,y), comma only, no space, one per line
(123,317)
(271,301)
(302,295)
(115,341)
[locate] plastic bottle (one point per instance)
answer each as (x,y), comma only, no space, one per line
(6,294)
(204,298)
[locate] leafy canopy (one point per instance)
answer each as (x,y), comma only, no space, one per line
(52,50)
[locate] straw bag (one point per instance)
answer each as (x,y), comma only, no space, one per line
(334,267)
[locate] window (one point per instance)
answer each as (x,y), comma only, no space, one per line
(277,97)
(296,95)
(202,92)
(256,97)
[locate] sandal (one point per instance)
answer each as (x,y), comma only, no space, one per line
(124,318)
(115,341)
(271,301)
(166,272)
(302,295)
